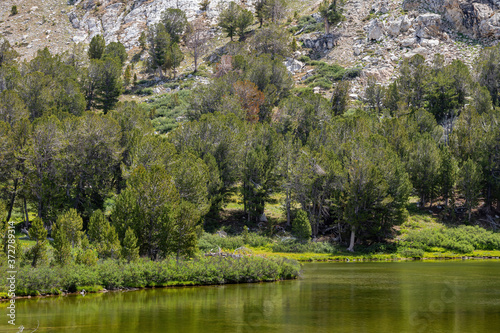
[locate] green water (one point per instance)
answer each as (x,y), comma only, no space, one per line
(453,296)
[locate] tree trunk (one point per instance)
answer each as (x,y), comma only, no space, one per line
(27,220)
(195,60)
(353,235)
(488,188)
(327,26)
(12,200)
(288,222)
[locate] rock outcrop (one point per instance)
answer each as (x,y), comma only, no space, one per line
(124,20)
(474,18)
(319,43)
(375,30)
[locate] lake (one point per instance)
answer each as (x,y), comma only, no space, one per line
(441,296)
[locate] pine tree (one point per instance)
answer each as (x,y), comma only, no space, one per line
(186,229)
(71,224)
(424,166)
(244,20)
(130,249)
(127,75)
(96,47)
(301,227)
(147,206)
(109,85)
(175,22)
(61,245)
(37,232)
(103,236)
(204,5)
(159,43)
(340,98)
(469,184)
(116,50)
(143,41)
(294,46)
(331,13)
(447,174)
(228,19)
(174,58)
(86,254)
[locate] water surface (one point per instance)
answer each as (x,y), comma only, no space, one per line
(451,296)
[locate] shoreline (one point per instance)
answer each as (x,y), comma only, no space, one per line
(185,284)
(173,285)
(385,257)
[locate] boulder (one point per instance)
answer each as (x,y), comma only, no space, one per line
(405,24)
(408,42)
(293,65)
(491,27)
(393,28)
(375,30)
(428,25)
(422,51)
(429,42)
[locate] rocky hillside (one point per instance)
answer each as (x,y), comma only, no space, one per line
(125,20)
(376,34)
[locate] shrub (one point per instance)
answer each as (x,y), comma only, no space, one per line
(411,252)
(112,274)
(325,74)
(292,246)
(304,59)
(168,108)
(464,239)
(13,10)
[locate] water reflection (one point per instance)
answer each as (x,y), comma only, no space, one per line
(350,297)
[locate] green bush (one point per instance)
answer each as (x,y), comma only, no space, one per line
(212,242)
(309,24)
(167,108)
(114,274)
(463,239)
(411,252)
(304,59)
(292,246)
(325,74)
(13,10)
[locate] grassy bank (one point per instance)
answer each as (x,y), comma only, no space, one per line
(402,249)
(423,236)
(112,274)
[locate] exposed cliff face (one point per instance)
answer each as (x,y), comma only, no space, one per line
(475,18)
(124,20)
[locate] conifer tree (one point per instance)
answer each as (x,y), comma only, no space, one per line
(469,184)
(159,43)
(37,232)
(96,47)
(71,224)
(228,19)
(103,236)
(301,227)
(130,249)
(61,245)
(127,75)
